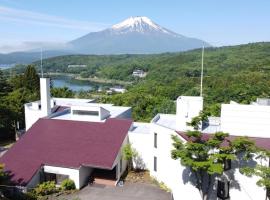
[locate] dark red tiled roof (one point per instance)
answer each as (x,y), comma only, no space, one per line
(65,143)
(263,143)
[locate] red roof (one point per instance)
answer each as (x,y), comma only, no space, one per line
(259,142)
(65,143)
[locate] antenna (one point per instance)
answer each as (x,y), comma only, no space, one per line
(201,93)
(41,62)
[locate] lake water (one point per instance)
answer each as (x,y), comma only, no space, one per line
(72,84)
(6,66)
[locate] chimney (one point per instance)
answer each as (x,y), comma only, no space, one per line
(45,96)
(187,107)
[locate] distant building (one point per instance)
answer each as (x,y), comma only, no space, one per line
(77,66)
(116,90)
(139,73)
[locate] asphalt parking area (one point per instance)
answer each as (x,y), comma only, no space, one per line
(130,191)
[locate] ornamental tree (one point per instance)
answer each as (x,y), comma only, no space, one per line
(129,153)
(204,157)
(261,170)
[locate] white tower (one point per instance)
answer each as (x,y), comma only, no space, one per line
(45,96)
(187,107)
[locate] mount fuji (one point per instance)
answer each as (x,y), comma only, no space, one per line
(135,35)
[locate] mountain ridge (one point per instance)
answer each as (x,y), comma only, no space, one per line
(135,35)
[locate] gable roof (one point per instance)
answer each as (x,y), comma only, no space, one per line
(263,143)
(65,143)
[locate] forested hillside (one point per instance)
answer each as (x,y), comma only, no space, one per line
(239,73)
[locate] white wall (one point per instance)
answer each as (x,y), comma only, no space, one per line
(118,159)
(245,120)
(170,171)
(45,96)
(85,173)
(74,174)
(125,115)
(176,176)
(187,107)
(143,143)
(31,116)
(102,113)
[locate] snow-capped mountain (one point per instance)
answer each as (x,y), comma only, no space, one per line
(141,25)
(134,35)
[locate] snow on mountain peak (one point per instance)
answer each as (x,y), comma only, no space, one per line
(134,21)
(139,24)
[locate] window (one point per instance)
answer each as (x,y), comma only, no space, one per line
(60,178)
(155,163)
(227,164)
(49,177)
(57,178)
(223,189)
(155,140)
(85,112)
(121,165)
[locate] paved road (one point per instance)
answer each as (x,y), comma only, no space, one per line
(130,191)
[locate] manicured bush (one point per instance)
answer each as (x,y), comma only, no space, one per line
(68,184)
(45,188)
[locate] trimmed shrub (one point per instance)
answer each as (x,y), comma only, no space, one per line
(45,188)
(68,184)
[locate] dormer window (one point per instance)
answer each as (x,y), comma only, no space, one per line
(85,112)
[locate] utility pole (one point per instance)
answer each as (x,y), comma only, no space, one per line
(201,92)
(41,67)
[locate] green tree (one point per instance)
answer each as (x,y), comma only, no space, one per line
(129,153)
(63,92)
(204,158)
(261,170)
(31,79)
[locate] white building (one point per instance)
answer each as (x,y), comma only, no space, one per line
(154,144)
(69,138)
(139,73)
(80,139)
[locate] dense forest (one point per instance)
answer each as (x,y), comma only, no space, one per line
(239,73)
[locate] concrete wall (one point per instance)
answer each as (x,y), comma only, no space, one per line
(246,120)
(177,177)
(186,108)
(79,176)
(118,160)
(170,171)
(85,173)
(143,143)
(125,115)
(102,113)
(34,181)
(31,116)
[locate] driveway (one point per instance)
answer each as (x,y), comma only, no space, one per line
(130,191)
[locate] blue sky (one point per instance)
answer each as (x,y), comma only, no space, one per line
(28,24)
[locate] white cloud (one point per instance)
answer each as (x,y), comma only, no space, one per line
(32,46)
(29,17)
